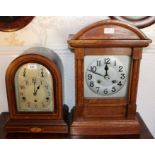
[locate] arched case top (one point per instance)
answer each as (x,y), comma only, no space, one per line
(48,54)
(109,33)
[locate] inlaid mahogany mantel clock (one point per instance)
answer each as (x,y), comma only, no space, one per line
(107,61)
(34,91)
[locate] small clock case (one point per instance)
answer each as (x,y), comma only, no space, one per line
(37,122)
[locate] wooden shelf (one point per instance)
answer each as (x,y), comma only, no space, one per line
(145,133)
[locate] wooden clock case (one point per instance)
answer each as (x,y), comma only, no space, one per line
(14,23)
(115,116)
(39,122)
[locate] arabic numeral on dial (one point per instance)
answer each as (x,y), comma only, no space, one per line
(46,86)
(122,76)
(26,82)
(89,76)
(24,72)
(107,60)
(47,99)
(98,62)
(93,68)
(97,89)
(119,83)
(21,93)
(36,106)
(48,93)
(91,84)
(42,72)
(41,82)
(120,68)
(33,80)
(113,89)
(105,91)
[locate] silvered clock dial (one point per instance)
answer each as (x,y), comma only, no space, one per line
(106,76)
(34,88)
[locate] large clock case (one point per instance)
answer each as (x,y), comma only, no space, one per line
(37,122)
(107,116)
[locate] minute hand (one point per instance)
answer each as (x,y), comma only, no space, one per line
(96,73)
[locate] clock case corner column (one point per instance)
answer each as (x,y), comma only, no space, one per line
(133,86)
(79,92)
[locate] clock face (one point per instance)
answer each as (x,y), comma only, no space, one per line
(106,76)
(34,88)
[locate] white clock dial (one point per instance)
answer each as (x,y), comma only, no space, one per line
(34,88)
(105,75)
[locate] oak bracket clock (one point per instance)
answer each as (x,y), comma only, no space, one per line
(34,91)
(107,61)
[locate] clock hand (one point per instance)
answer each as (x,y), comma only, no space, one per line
(106,76)
(95,73)
(34,88)
(35,93)
(106,69)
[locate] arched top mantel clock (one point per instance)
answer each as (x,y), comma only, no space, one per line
(34,91)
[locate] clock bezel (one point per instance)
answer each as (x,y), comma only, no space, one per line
(92,93)
(10,74)
(16,85)
(117,101)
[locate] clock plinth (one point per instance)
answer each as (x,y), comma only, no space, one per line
(39,126)
(105,127)
(35,126)
(107,61)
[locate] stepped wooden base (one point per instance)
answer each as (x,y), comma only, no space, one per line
(105,127)
(36,126)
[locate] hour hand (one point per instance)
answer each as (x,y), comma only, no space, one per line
(34,89)
(106,76)
(35,93)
